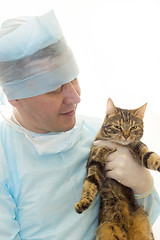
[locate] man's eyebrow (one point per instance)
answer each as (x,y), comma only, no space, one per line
(56,90)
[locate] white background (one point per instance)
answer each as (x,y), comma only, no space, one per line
(117,47)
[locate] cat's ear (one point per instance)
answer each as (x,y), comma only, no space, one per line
(110,108)
(139,112)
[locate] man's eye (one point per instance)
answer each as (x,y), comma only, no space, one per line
(58,90)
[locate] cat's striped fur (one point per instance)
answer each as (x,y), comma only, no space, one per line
(120,217)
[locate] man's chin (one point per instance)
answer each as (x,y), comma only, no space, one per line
(70,126)
(67,125)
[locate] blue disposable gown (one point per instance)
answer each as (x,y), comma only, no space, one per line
(38,192)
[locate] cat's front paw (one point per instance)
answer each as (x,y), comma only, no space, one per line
(152,161)
(82,205)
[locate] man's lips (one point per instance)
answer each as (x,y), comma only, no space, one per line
(69,114)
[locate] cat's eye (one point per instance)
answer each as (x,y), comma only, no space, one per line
(118,127)
(133,128)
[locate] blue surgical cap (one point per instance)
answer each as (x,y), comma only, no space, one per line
(34,56)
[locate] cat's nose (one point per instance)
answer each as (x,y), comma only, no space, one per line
(125,136)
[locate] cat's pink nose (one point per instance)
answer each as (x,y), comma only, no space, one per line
(126,136)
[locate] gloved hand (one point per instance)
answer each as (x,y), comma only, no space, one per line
(121,166)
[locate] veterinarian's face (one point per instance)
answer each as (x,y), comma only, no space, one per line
(51,112)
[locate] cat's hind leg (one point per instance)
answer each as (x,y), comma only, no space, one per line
(140,228)
(110,231)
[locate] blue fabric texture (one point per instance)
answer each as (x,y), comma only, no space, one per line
(38,192)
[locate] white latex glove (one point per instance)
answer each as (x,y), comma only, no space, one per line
(121,166)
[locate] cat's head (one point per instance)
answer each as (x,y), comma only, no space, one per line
(121,125)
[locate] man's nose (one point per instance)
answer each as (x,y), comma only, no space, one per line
(71,94)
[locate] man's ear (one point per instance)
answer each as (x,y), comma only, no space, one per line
(14,103)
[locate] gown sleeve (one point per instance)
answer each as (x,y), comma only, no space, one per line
(9,227)
(151,203)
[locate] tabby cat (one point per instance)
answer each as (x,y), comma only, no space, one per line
(120,217)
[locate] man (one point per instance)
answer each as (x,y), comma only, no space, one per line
(44,147)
